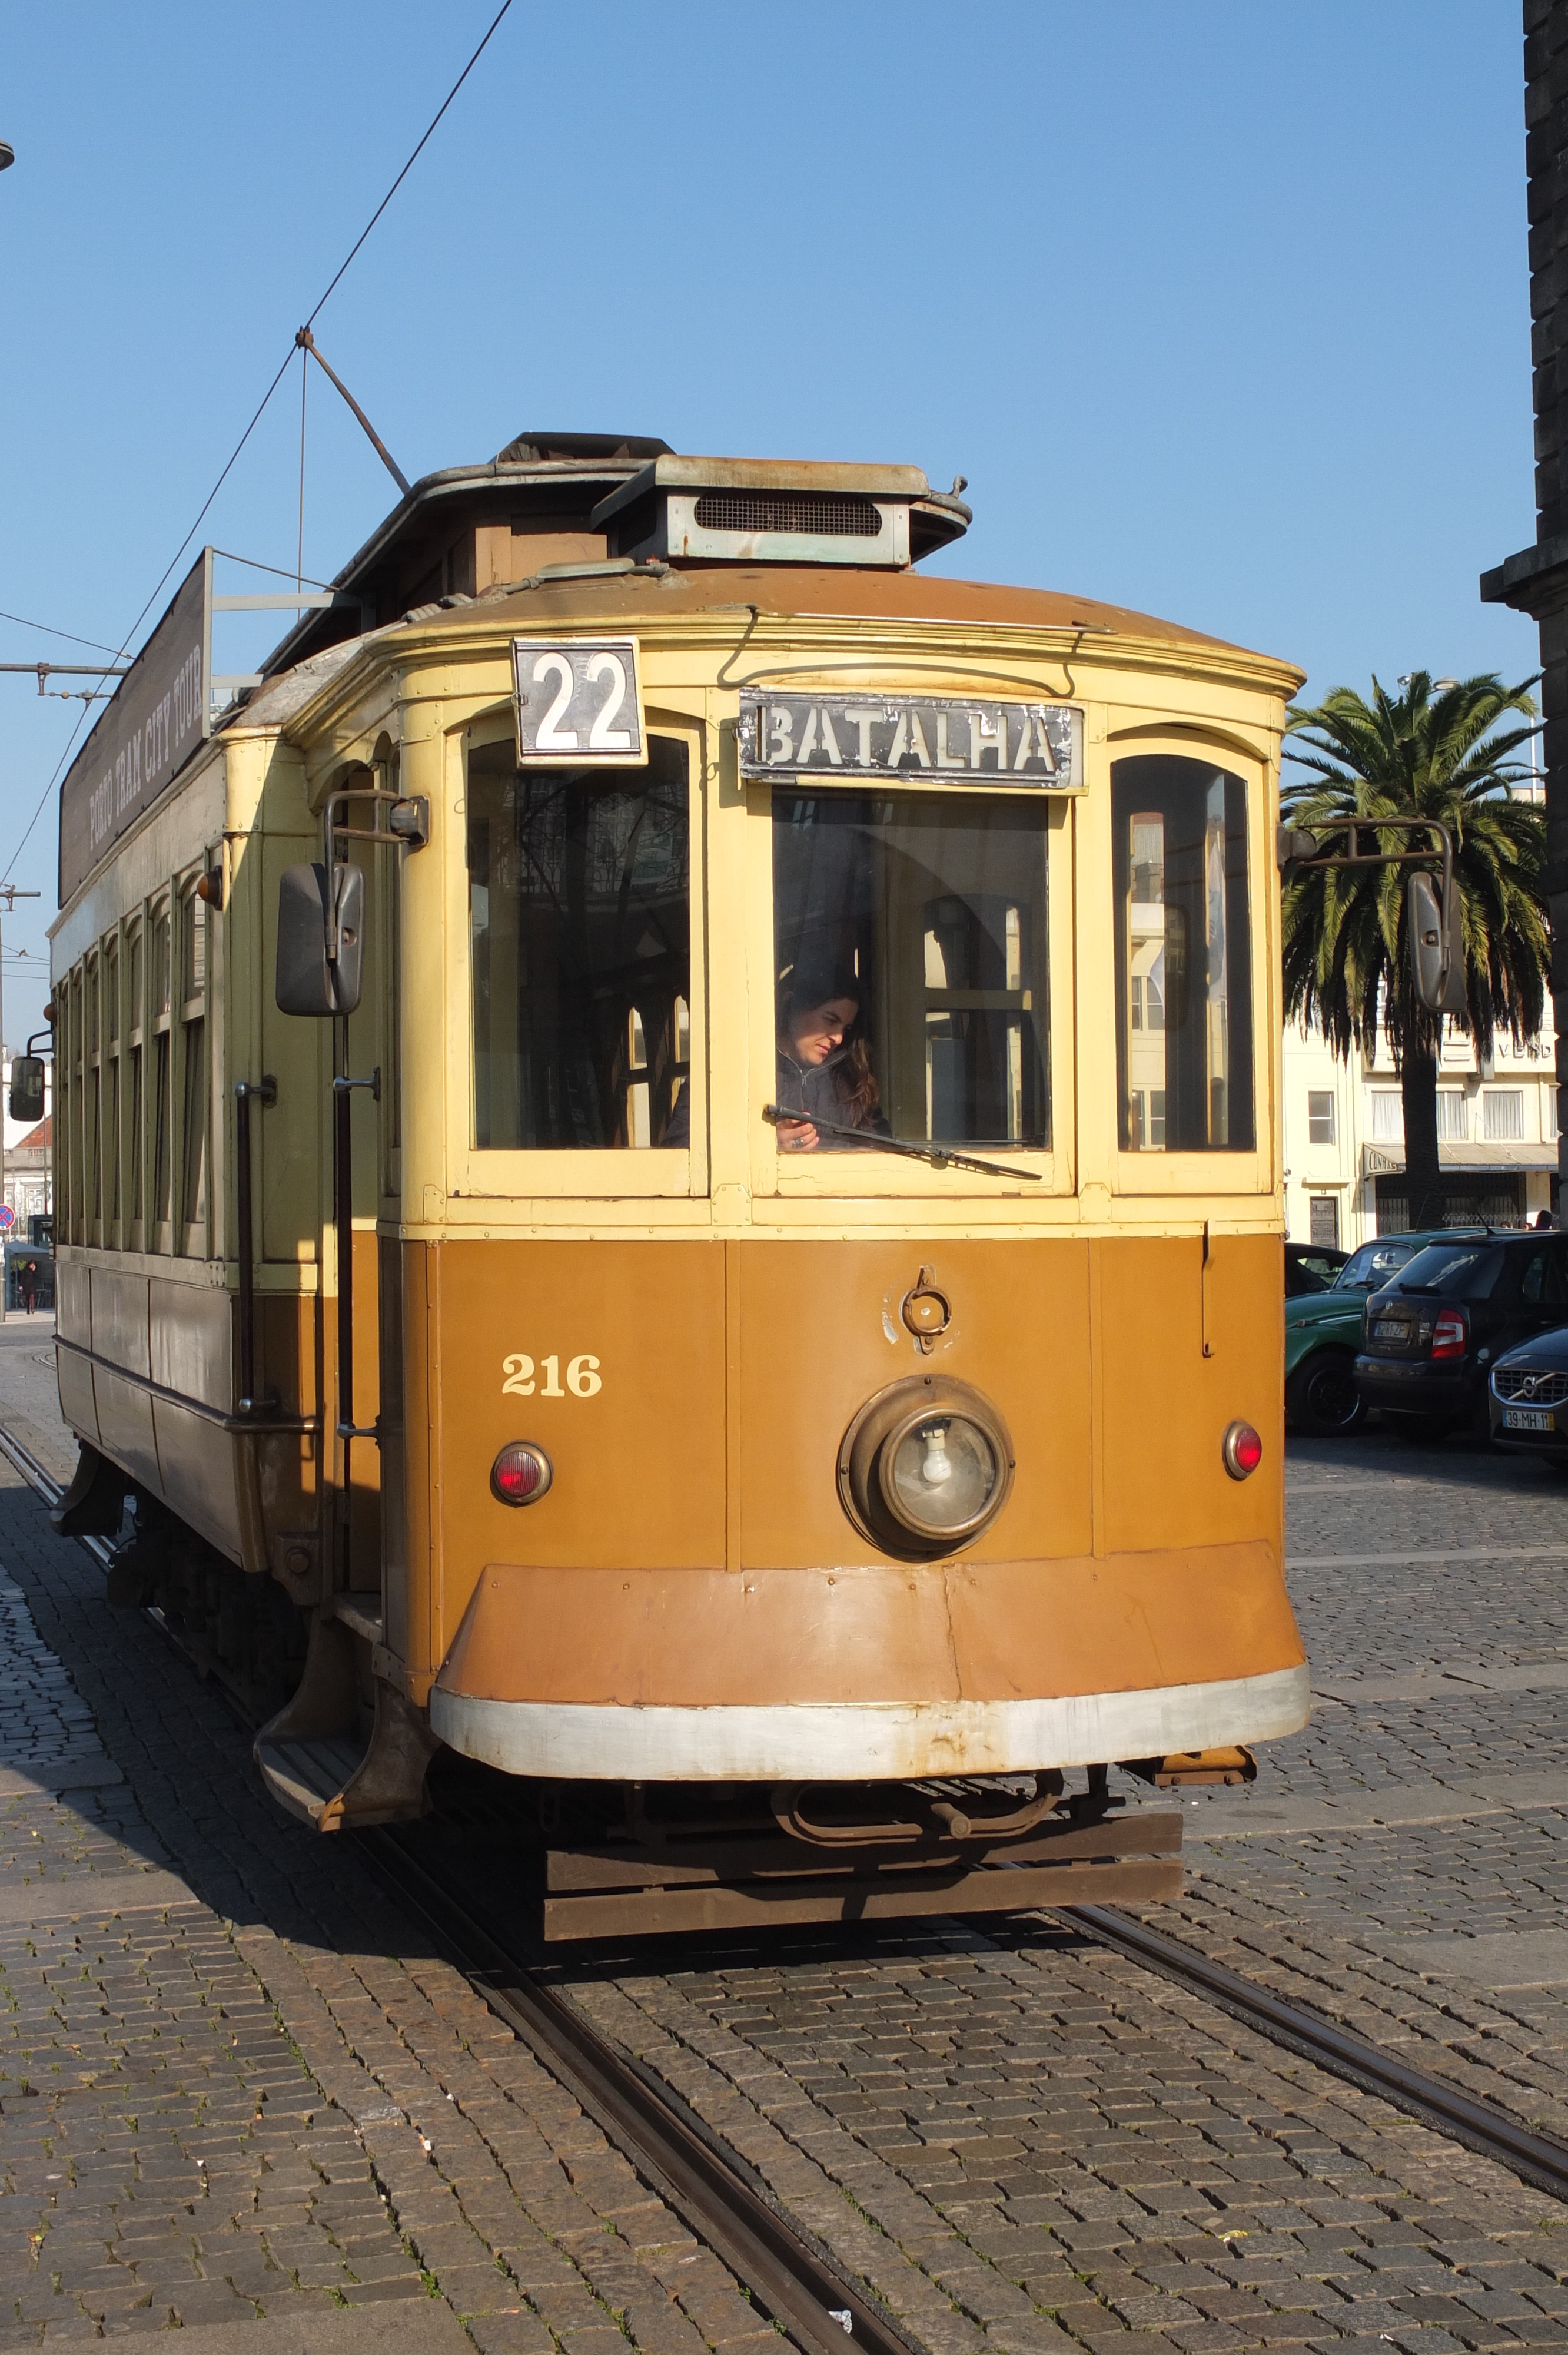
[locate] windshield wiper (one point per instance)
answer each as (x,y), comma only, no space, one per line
(936,1154)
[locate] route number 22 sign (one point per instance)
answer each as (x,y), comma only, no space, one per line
(579,703)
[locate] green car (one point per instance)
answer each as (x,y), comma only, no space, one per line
(1323,1333)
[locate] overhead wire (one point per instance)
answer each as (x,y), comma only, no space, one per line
(22,622)
(256,418)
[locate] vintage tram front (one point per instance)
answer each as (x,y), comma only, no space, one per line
(798,1308)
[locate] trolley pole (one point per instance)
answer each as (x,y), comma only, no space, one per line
(10,894)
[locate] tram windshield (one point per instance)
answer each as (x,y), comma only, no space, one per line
(1183,957)
(911,970)
(579,928)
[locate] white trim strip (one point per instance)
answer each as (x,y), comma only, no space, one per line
(821,1741)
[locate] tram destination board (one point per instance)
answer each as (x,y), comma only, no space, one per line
(152,724)
(924,739)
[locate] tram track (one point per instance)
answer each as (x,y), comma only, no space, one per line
(790,2275)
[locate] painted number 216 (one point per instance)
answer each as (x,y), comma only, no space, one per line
(583,1377)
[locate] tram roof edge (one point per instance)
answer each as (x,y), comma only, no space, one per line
(814,592)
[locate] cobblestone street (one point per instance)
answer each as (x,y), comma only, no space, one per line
(235,2086)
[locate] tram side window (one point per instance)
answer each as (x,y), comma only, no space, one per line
(194,1105)
(911,968)
(1183,957)
(579,926)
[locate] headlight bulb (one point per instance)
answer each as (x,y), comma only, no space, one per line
(937,1465)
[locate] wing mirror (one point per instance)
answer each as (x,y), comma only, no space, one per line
(1436,921)
(321,939)
(27,1087)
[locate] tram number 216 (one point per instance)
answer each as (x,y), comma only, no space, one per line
(521,1377)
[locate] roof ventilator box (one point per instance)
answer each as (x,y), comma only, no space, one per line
(769,511)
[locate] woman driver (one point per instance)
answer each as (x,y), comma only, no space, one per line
(823,1066)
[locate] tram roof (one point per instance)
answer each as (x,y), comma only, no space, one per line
(821,592)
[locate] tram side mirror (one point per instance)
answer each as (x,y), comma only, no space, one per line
(1178,967)
(27,1087)
(1436,945)
(309,980)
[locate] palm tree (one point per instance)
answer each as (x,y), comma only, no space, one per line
(1422,754)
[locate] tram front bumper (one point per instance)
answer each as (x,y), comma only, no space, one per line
(870,1671)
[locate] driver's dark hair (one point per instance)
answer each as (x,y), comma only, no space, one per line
(811,982)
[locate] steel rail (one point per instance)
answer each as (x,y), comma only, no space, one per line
(1482,2126)
(792,2275)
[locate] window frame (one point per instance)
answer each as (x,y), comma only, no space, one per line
(567,1173)
(786,1178)
(1221,1171)
(194,1235)
(1322,1096)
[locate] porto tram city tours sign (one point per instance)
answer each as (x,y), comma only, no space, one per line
(579,701)
(847,738)
(154,721)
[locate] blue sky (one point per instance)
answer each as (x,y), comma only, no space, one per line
(1222,306)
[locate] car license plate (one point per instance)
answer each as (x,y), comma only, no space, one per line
(1388,1330)
(1528,1418)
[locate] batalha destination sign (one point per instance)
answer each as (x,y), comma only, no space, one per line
(923,738)
(153,723)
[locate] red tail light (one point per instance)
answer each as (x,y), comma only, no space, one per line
(1450,1334)
(1243,1451)
(521,1474)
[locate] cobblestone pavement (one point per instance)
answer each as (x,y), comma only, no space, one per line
(233,2084)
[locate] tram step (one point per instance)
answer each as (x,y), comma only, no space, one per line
(306,1776)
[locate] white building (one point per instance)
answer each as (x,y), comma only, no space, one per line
(1344,1136)
(26,1173)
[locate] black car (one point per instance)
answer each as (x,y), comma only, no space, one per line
(1528,1399)
(1310,1267)
(1430,1339)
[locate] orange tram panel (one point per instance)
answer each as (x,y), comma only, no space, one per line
(668,1207)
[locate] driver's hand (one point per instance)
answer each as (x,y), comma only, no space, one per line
(797,1137)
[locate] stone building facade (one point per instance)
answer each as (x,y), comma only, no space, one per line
(1535,580)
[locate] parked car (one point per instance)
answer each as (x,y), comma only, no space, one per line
(1431,1338)
(1528,1398)
(1310,1267)
(1323,1333)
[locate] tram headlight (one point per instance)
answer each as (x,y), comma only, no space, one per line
(520,1473)
(924,1467)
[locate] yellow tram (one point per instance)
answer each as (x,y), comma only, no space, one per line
(745,1288)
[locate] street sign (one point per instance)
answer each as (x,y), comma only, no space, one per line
(7,1218)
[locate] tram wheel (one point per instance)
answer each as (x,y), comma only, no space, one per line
(1321,1396)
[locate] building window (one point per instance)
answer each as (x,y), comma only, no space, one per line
(1387,1117)
(1320,1122)
(1549,1114)
(1502,1112)
(1453,1123)
(1323,1214)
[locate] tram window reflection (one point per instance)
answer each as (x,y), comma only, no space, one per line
(580,939)
(917,926)
(1183,957)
